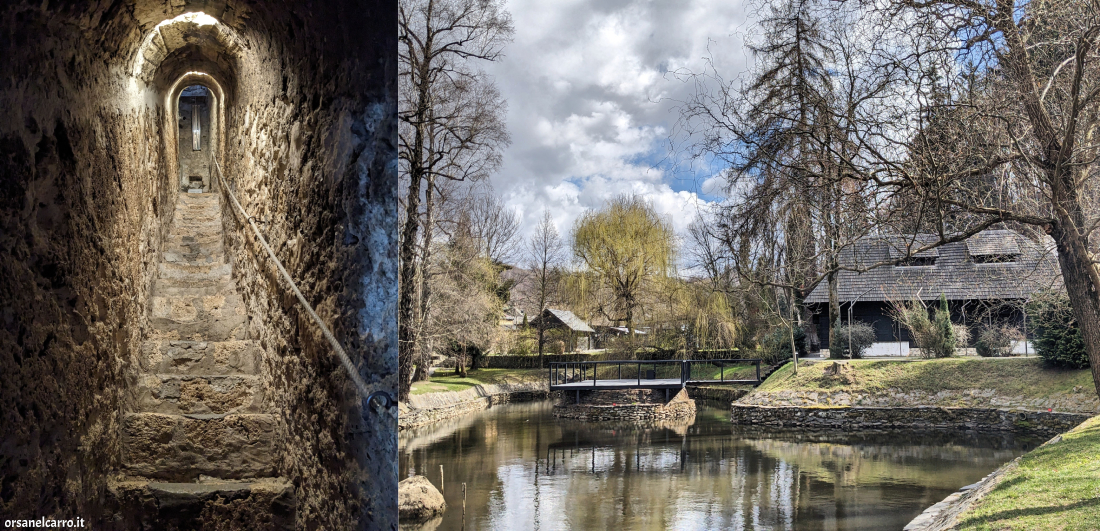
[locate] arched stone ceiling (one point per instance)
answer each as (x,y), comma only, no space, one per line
(192,41)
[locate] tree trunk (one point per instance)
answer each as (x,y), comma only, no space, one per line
(806,319)
(424,355)
(422,361)
(834,311)
(406,289)
(406,306)
(542,330)
(1083,286)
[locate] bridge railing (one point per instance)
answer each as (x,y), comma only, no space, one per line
(623,372)
(722,371)
(596,371)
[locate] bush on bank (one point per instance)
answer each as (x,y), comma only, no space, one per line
(860,334)
(1057,338)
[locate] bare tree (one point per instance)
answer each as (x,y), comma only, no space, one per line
(1006,131)
(545,252)
(961,115)
(495,227)
(451,124)
(464,310)
(783,134)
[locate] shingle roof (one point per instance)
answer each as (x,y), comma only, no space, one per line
(564,317)
(984,243)
(953,273)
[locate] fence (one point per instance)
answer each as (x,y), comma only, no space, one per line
(622,374)
(532,361)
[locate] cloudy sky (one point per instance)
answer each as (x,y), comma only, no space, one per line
(592,94)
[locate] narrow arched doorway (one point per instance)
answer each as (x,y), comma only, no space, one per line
(195,133)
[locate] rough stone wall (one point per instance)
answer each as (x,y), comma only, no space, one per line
(1082,401)
(85,199)
(723,394)
(83,205)
(630,405)
(430,408)
(311,151)
(889,418)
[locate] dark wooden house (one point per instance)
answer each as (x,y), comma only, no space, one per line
(575,332)
(986,280)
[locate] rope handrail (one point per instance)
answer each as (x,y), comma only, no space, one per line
(360,385)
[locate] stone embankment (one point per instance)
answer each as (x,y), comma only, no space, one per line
(629,405)
(945,515)
(432,407)
(1077,402)
(724,395)
(920,417)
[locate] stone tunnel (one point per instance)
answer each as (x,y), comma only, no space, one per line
(156,372)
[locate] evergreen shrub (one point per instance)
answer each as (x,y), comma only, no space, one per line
(1057,338)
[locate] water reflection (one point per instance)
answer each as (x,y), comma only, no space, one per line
(525,469)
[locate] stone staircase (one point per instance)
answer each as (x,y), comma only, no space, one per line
(199,440)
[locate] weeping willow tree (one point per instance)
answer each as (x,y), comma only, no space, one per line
(628,248)
(713,322)
(691,316)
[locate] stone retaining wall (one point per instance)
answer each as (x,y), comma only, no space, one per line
(943,515)
(922,417)
(636,405)
(1077,401)
(431,407)
(725,395)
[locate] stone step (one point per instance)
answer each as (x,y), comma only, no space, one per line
(209,328)
(180,238)
(212,211)
(183,217)
(184,447)
(185,307)
(193,273)
(200,357)
(194,255)
(196,199)
(196,225)
(174,288)
(199,204)
(143,505)
(190,393)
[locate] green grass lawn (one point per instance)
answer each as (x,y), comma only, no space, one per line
(1056,486)
(1024,377)
(447,380)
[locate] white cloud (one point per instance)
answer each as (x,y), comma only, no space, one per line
(591,100)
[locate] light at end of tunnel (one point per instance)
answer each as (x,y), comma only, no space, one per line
(196,17)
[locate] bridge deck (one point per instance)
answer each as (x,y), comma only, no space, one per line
(633,383)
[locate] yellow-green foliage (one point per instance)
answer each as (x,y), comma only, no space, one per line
(1024,377)
(628,246)
(1056,486)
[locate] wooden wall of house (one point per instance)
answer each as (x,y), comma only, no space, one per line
(976,314)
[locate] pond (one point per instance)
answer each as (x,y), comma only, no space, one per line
(525,469)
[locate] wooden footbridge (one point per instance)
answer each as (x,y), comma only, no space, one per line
(652,374)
